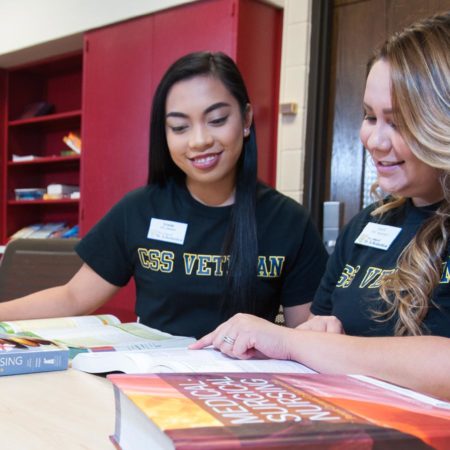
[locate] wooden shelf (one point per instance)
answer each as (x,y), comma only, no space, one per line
(47,118)
(47,160)
(64,201)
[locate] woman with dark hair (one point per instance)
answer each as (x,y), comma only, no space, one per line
(383,305)
(204,239)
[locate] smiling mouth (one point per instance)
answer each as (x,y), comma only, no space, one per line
(205,161)
(390,163)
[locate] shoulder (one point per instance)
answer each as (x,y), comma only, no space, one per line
(392,217)
(151,192)
(364,216)
(268,198)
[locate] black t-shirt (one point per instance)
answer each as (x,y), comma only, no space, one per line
(349,289)
(179,286)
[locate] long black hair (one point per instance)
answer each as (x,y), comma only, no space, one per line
(241,238)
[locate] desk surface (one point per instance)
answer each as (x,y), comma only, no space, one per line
(56,410)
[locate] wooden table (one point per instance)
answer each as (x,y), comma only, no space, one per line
(56,410)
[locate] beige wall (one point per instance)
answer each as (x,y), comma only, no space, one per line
(293,89)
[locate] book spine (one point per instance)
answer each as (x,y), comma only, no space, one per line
(14,363)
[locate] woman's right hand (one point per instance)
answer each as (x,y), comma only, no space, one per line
(246,336)
(327,324)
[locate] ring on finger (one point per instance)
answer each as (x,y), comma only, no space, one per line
(229,340)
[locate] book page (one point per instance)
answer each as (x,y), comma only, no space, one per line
(38,325)
(130,336)
(404,391)
(179,360)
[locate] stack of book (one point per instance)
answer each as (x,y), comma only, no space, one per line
(46,230)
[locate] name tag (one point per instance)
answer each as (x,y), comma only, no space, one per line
(167,231)
(378,236)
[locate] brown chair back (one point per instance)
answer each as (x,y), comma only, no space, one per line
(30,265)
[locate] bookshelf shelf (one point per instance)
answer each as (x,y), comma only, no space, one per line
(46,118)
(65,201)
(55,159)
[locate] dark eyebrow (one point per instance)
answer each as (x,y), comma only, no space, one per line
(216,106)
(207,110)
(176,114)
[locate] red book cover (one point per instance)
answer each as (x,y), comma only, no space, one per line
(274,411)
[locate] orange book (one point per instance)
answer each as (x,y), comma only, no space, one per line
(73,141)
(275,411)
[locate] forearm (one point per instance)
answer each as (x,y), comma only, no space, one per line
(52,302)
(84,293)
(417,362)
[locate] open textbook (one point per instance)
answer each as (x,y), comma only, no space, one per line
(96,333)
(178,360)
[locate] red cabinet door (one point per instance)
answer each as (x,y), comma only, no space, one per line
(117,91)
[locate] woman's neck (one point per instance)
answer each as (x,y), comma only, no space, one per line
(213,196)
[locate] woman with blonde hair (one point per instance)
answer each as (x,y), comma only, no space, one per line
(383,306)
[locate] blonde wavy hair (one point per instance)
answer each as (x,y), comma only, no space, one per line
(419,60)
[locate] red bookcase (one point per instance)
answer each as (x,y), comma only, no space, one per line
(58,82)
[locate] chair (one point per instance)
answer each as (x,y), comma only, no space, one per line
(29,265)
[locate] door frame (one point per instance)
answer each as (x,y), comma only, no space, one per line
(317,156)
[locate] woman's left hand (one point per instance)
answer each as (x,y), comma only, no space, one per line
(326,324)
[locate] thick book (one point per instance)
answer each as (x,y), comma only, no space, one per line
(95,333)
(19,354)
(178,360)
(273,411)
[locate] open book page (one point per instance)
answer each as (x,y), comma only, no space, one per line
(131,336)
(37,325)
(179,360)
(97,333)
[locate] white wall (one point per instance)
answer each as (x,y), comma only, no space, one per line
(34,29)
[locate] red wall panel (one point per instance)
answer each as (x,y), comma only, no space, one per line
(259,58)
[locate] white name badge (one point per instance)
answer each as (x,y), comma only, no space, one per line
(377,236)
(167,231)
